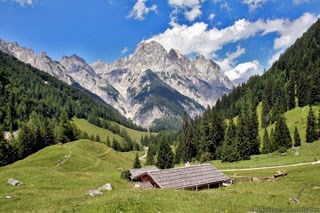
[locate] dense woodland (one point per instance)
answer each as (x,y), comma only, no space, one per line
(294,80)
(41,107)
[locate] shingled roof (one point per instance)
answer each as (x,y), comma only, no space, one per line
(188,177)
(135,173)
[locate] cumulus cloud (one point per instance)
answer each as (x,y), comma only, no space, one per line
(124,50)
(140,10)
(198,38)
(275,57)
(254,4)
(243,71)
(190,8)
(229,62)
(211,16)
(23,2)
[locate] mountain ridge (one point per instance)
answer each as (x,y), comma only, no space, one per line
(199,80)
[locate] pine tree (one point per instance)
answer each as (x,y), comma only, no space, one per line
(136,163)
(282,138)
(243,144)
(187,150)
(266,142)
(150,157)
(290,91)
(311,131)
(253,133)
(230,152)
(165,156)
(297,139)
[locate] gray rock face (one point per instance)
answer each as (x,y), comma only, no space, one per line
(40,61)
(148,85)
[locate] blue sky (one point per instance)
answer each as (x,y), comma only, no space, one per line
(240,35)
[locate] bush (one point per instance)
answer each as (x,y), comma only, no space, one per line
(125,175)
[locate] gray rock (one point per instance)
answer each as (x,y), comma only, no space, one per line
(106,187)
(94,192)
(14,182)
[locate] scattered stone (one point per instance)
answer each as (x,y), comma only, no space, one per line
(294,200)
(296,153)
(94,192)
(106,187)
(8,197)
(280,174)
(14,182)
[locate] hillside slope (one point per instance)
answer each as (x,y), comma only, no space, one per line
(53,187)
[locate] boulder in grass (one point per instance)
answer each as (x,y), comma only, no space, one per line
(14,182)
(94,193)
(106,187)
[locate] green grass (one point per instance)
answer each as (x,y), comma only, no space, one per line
(307,153)
(48,188)
(91,129)
(134,134)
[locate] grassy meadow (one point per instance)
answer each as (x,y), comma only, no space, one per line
(50,186)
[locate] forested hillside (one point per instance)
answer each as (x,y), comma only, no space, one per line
(294,80)
(41,107)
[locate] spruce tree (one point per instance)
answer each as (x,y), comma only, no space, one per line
(253,133)
(165,156)
(311,131)
(290,91)
(266,142)
(136,163)
(150,157)
(187,149)
(230,152)
(5,150)
(297,139)
(272,141)
(243,141)
(282,138)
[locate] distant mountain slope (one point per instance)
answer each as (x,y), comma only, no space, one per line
(199,80)
(25,89)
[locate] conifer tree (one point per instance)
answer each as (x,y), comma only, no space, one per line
(311,131)
(230,152)
(282,138)
(297,139)
(187,149)
(290,91)
(243,144)
(136,163)
(266,142)
(150,157)
(165,156)
(5,150)
(253,133)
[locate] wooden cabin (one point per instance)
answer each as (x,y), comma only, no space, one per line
(196,177)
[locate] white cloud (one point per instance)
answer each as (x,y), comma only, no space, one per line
(275,57)
(124,50)
(211,16)
(254,4)
(23,2)
(243,71)
(290,31)
(190,8)
(229,62)
(198,38)
(140,9)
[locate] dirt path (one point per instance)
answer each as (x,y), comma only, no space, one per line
(65,159)
(145,155)
(271,167)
